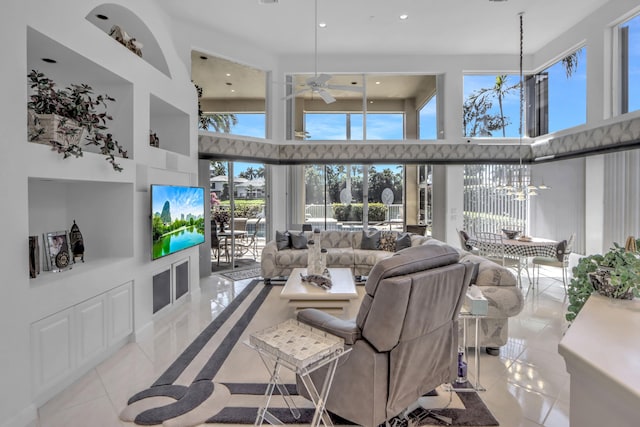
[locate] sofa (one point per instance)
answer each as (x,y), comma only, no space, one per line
(404,340)
(345,249)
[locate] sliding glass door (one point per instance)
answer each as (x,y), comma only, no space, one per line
(238,213)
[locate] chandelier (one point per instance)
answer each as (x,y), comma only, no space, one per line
(517,181)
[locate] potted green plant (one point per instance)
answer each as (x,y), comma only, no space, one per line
(616,274)
(61,117)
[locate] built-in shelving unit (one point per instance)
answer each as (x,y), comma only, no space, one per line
(80,316)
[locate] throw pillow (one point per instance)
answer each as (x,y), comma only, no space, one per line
(388,241)
(299,241)
(370,241)
(403,241)
(283,240)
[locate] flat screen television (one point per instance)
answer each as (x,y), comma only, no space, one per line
(177,218)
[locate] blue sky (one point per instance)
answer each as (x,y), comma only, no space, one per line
(183,200)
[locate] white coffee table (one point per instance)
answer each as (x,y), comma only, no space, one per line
(304,295)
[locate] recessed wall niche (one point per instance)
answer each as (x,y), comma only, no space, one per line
(170,125)
(55,204)
(71,68)
(107,15)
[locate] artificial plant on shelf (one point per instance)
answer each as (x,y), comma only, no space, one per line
(77,109)
(616,274)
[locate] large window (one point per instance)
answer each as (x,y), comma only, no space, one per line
(362,107)
(348,126)
(629,41)
(557,96)
(232,96)
(491,106)
(428,127)
(334,196)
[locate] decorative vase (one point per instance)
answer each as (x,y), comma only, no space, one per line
(601,281)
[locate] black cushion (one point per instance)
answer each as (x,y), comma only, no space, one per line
(403,241)
(370,241)
(299,241)
(283,240)
(560,250)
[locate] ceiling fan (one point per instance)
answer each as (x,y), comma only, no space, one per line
(319,83)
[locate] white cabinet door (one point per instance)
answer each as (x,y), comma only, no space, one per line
(120,303)
(91,324)
(53,355)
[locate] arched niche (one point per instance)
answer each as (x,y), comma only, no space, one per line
(107,15)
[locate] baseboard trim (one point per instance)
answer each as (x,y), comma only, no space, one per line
(24,418)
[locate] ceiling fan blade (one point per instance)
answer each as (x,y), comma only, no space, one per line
(296,93)
(326,96)
(319,79)
(344,87)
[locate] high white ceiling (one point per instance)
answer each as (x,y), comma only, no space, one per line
(374,26)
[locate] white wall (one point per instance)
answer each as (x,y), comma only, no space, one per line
(557,212)
(24,299)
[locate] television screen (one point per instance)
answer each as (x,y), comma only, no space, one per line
(177,218)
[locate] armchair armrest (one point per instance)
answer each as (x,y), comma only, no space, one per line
(345,329)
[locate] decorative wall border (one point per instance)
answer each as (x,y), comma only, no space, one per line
(611,137)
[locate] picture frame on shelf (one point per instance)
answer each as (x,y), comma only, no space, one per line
(57,254)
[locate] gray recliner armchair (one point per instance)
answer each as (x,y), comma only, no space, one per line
(404,339)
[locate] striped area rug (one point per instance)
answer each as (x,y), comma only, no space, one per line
(219,379)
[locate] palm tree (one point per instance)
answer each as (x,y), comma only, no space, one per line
(220,122)
(218,168)
(570,63)
(500,90)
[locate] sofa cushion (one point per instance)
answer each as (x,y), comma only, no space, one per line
(388,241)
(299,241)
(368,257)
(370,241)
(403,241)
(336,239)
(340,257)
(283,240)
(490,273)
(292,258)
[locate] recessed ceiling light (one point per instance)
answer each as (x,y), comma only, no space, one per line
(322,25)
(378,83)
(50,61)
(404,16)
(228,83)
(204,58)
(101,16)
(228,74)
(370,102)
(233,90)
(354,83)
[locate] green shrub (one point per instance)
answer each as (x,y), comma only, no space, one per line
(353,212)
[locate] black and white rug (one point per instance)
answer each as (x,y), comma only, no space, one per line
(219,379)
(247,273)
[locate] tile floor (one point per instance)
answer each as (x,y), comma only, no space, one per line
(527,385)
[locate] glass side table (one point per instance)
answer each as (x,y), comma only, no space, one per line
(465,316)
(301,349)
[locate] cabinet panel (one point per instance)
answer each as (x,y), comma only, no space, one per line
(53,354)
(91,321)
(120,312)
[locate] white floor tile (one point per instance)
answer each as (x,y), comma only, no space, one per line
(527,384)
